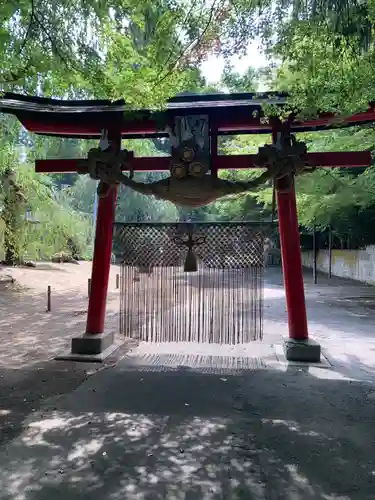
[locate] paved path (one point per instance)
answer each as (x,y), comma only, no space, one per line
(173,422)
(341,316)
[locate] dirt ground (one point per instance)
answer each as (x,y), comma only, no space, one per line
(178,421)
(340,318)
(184,420)
(31,336)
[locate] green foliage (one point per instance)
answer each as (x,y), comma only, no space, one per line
(52,222)
(55,220)
(324,71)
(236,82)
(337,197)
(144,51)
(13,217)
(342,198)
(148,51)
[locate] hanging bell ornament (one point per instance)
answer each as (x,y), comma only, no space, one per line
(191,265)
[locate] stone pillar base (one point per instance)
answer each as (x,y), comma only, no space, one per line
(302,350)
(90,347)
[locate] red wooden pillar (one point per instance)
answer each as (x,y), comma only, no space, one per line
(101,262)
(291,255)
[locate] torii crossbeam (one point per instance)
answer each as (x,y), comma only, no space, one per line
(226,114)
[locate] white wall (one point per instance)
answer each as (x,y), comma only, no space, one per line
(354,264)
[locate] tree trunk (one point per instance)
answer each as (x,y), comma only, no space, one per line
(13,220)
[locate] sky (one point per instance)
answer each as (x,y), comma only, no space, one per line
(213,67)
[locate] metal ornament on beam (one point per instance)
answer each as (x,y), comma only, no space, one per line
(190,146)
(190,183)
(285,159)
(341,159)
(105,166)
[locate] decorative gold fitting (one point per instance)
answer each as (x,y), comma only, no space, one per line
(187,155)
(178,170)
(197,169)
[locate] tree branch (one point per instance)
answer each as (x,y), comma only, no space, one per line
(26,38)
(193,44)
(52,42)
(167,61)
(14,77)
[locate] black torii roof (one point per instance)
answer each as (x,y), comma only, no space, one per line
(228,114)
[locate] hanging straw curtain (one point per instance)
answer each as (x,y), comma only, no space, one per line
(200,282)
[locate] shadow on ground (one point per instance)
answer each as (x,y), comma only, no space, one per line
(161,431)
(24,390)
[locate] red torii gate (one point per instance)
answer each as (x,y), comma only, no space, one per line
(227,114)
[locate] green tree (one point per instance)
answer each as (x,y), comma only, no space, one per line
(145,52)
(23,191)
(13,213)
(323,76)
(236,82)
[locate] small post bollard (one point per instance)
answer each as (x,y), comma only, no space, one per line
(49,298)
(88,287)
(117,281)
